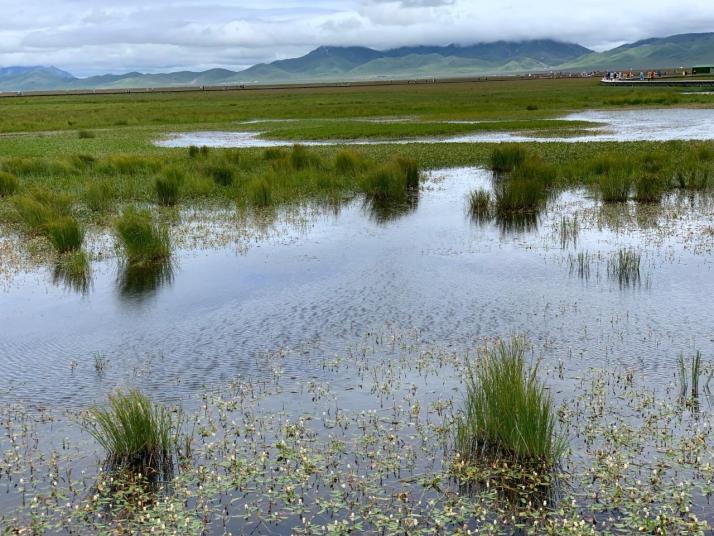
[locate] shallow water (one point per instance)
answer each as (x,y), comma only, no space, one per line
(430,270)
(617,126)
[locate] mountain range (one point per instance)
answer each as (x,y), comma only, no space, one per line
(362,63)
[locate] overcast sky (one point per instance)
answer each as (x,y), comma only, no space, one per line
(98,36)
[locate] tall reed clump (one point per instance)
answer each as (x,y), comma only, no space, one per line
(624,266)
(648,188)
(615,187)
(65,234)
(479,201)
(74,270)
(134,432)
(520,195)
(509,414)
(259,193)
(302,158)
(99,195)
(348,162)
(168,185)
(392,181)
(506,157)
(222,174)
(689,379)
(144,242)
(9,184)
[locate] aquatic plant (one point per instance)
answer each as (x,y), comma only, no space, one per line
(624,266)
(38,208)
(387,182)
(534,169)
(479,201)
(569,231)
(65,233)
(135,432)
(348,162)
(689,379)
(168,185)
(273,153)
(9,184)
(505,157)
(410,169)
(509,414)
(144,241)
(86,134)
(258,193)
(520,195)
(614,187)
(648,188)
(302,158)
(99,195)
(222,174)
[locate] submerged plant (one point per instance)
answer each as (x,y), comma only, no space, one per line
(144,241)
(509,414)
(580,264)
(689,378)
(134,432)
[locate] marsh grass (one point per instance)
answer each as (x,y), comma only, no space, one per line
(144,241)
(648,188)
(614,187)
(135,433)
(302,158)
(99,195)
(168,186)
(509,414)
(624,266)
(689,379)
(520,195)
(9,184)
(86,134)
(505,157)
(479,204)
(569,231)
(65,234)
(222,174)
(349,162)
(391,181)
(259,193)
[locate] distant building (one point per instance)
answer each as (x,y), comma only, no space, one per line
(703,70)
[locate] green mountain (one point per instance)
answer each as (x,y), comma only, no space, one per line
(361,63)
(679,50)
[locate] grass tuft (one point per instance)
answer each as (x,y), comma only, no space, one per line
(509,414)
(222,174)
(614,187)
(624,266)
(9,184)
(134,432)
(479,203)
(144,242)
(65,234)
(505,157)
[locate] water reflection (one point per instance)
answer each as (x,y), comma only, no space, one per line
(383,211)
(75,276)
(140,282)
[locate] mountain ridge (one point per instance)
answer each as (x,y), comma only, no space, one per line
(338,63)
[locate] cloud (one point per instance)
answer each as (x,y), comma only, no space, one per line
(96,36)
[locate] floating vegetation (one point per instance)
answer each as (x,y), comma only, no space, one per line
(505,157)
(624,266)
(509,414)
(9,184)
(144,241)
(135,433)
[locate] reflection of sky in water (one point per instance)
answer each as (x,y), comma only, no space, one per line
(617,125)
(428,269)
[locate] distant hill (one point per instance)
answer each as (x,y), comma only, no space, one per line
(362,63)
(678,50)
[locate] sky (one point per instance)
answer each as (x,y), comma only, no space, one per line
(88,37)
